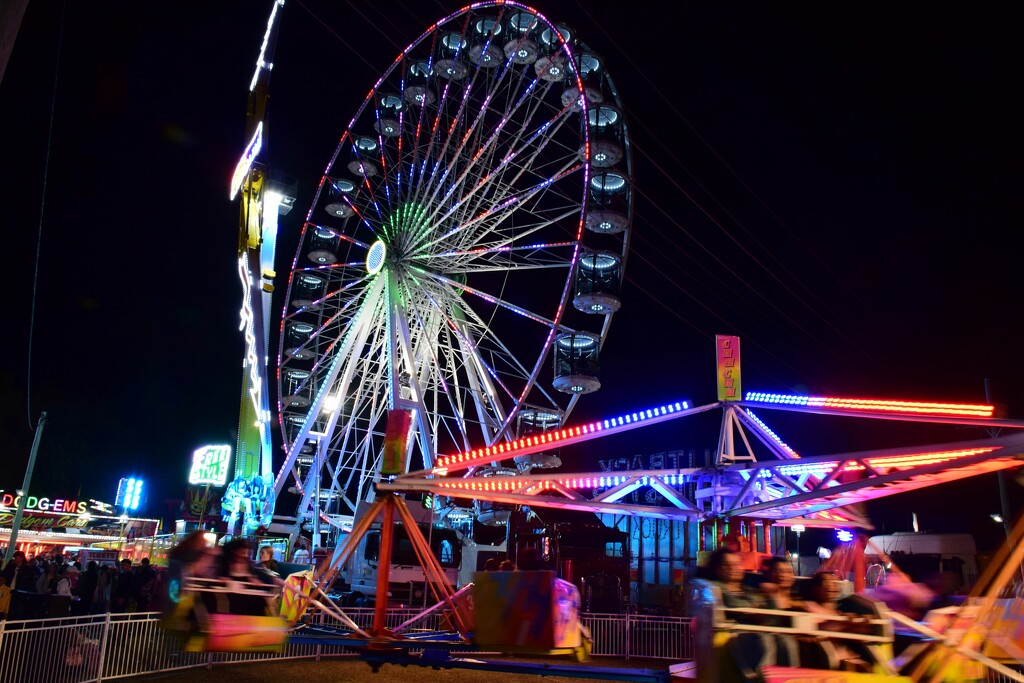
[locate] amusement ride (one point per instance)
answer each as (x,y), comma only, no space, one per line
(468,235)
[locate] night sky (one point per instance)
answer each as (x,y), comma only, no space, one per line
(835,184)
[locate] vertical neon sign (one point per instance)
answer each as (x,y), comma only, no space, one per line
(728,352)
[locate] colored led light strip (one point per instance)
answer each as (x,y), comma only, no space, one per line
(252,150)
(504,451)
(895,462)
(261,63)
(875,405)
(534,484)
(775,437)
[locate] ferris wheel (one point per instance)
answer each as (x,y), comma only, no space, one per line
(462,257)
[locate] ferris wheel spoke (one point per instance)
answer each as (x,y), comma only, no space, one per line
(491,375)
(502,205)
(469,232)
(339,312)
(557,256)
(442,304)
(468,367)
(514,234)
(491,299)
(344,237)
(430,383)
(466,321)
(427,150)
(523,155)
(500,256)
(474,128)
(476,176)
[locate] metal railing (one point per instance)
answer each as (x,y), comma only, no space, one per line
(111,646)
(635,635)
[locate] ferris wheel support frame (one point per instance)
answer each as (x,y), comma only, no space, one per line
(357,334)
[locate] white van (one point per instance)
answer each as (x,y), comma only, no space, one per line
(923,556)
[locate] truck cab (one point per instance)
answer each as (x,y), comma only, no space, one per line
(582,550)
(407,584)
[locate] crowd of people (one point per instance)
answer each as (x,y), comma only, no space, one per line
(125,586)
(93,589)
(194,557)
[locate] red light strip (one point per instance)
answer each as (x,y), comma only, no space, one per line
(903,461)
(956,409)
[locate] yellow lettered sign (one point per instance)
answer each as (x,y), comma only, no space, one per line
(728,352)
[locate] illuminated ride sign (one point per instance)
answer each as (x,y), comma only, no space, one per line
(728,356)
(248,323)
(39,521)
(210,465)
(129,493)
(10,501)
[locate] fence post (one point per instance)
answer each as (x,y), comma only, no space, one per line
(103,647)
(628,636)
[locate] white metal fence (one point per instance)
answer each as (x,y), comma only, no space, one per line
(111,646)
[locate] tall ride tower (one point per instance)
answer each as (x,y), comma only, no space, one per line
(263,200)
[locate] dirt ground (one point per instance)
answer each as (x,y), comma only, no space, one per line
(356,671)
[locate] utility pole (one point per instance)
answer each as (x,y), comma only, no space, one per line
(12,544)
(1004,503)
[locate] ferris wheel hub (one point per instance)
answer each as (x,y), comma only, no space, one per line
(375,257)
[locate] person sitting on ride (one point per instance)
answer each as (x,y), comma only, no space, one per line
(777,587)
(823,599)
(192,556)
(822,594)
(234,562)
(725,567)
(236,568)
(750,652)
(267,560)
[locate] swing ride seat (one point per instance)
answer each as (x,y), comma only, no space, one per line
(721,633)
(225,615)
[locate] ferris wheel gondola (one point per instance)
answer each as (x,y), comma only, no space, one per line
(469,234)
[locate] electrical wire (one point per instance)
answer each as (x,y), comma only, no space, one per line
(745,186)
(42,212)
(335,34)
(715,275)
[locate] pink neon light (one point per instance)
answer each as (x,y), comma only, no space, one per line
(897,462)
(879,405)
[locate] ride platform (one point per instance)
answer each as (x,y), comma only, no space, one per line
(448,650)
